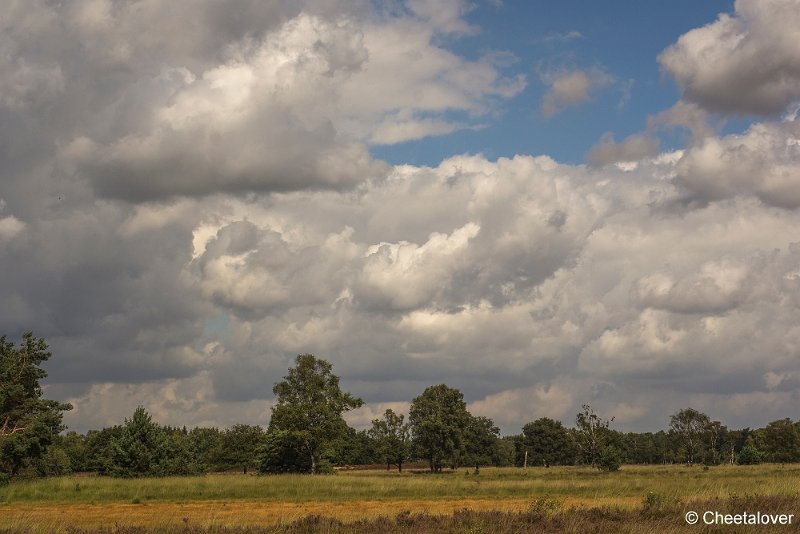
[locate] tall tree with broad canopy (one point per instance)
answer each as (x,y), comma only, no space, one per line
(548,443)
(310,405)
(689,426)
(28,423)
(439,419)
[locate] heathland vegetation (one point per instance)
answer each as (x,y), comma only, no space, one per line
(537,499)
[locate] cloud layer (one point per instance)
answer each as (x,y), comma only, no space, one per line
(189,201)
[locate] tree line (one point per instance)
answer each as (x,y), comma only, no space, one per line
(308,433)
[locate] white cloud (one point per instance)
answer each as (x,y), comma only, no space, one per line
(10,227)
(408,275)
(764,161)
(571,89)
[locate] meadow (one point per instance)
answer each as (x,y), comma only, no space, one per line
(559,499)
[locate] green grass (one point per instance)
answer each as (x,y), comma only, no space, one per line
(565,482)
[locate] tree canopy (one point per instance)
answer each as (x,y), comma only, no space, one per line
(309,404)
(438,419)
(28,422)
(393,438)
(689,426)
(548,443)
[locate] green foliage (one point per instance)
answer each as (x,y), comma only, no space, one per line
(610,458)
(548,443)
(505,453)
(99,449)
(438,418)
(782,441)
(238,446)
(592,434)
(54,462)
(353,447)
(310,405)
(749,455)
(689,427)
(28,423)
(710,458)
(181,457)
(656,505)
(141,448)
(283,451)
(75,448)
(480,437)
(392,436)
(542,507)
(205,444)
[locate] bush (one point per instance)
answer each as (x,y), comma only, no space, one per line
(749,455)
(53,462)
(610,459)
(543,507)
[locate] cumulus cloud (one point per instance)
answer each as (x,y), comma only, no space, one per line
(165,100)
(530,285)
(747,62)
(200,206)
(633,148)
(571,89)
(763,161)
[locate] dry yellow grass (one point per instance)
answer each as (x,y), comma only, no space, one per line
(56,517)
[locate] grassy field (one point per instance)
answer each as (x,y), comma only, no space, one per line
(651,495)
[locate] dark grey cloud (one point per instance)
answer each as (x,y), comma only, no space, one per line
(747,62)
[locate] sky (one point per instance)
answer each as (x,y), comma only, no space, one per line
(543,205)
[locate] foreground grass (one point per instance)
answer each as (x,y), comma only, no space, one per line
(367,497)
(542,516)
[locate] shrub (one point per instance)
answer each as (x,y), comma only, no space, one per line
(610,459)
(749,455)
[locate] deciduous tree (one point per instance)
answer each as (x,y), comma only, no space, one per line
(592,434)
(480,437)
(548,443)
(689,427)
(310,405)
(438,419)
(238,445)
(393,438)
